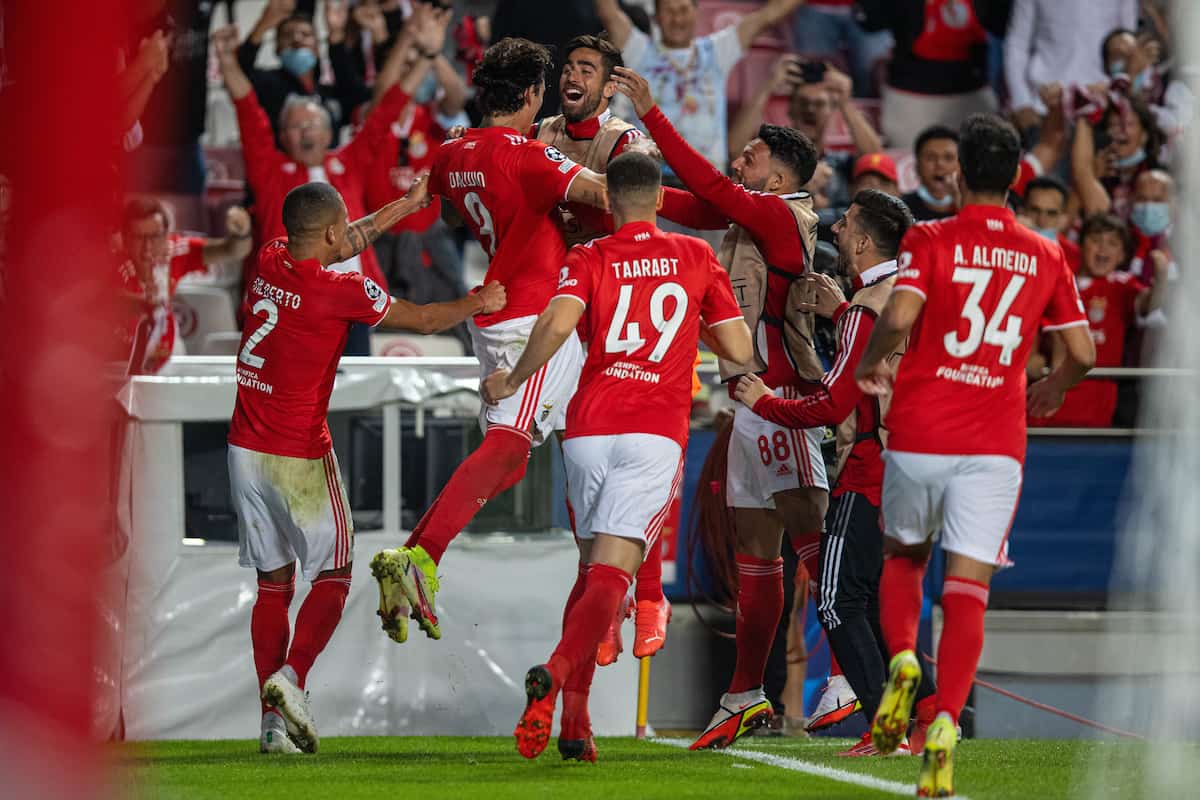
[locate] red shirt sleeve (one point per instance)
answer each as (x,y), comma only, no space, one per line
(690,211)
(718,305)
(258,142)
(761,214)
(187,256)
(915,262)
(355,298)
(839,393)
(576,279)
(372,137)
(546,174)
(1065,309)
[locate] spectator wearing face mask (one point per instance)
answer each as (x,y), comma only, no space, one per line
(1151,216)
(936,196)
(1107,159)
(299,70)
(1054,41)
(1115,302)
(1126,58)
(1045,211)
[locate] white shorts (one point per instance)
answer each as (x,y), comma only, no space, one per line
(972,499)
(289,509)
(540,405)
(622,485)
(765,458)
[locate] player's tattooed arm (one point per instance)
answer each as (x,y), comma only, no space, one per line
(589,188)
(362,232)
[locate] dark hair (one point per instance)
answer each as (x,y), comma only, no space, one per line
(140,207)
(610,55)
(792,149)
(1155,138)
(309,207)
(1113,34)
(632,174)
(638,16)
(884,218)
(298,16)
(989,150)
(1108,223)
(508,68)
(1050,183)
(933,133)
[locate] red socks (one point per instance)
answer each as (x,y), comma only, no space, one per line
(589,618)
(576,723)
(759,606)
(649,575)
(900,602)
(497,464)
(269,628)
(963,604)
(319,616)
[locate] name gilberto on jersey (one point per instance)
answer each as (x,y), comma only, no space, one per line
(998,258)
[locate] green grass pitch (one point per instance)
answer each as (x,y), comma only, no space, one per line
(490,769)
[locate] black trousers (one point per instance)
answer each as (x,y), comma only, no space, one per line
(848,604)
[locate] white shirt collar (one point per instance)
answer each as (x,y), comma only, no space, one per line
(877,272)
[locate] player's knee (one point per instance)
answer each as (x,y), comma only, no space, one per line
(894,548)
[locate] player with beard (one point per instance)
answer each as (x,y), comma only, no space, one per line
(776,476)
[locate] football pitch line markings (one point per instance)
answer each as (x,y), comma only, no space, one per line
(810,768)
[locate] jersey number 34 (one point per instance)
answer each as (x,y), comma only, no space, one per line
(1002,329)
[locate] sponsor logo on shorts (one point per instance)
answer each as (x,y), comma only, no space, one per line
(546,409)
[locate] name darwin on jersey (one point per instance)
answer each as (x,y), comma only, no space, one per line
(998,258)
(627,371)
(645,268)
(282,298)
(467,180)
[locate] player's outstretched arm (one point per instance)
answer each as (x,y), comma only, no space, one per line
(363,231)
(1045,397)
(729,340)
(874,373)
(437,317)
(552,328)
(589,188)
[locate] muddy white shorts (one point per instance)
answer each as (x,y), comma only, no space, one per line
(540,405)
(971,499)
(765,458)
(622,485)
(290,509)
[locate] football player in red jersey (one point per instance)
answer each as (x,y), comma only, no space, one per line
(504,187)
(971,294)
(776,476)
(644,297)
(286,486)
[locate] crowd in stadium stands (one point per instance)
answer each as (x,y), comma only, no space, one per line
(361,93)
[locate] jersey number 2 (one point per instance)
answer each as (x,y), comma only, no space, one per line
(483,221)
(247,356)
(631,340)
(982,330)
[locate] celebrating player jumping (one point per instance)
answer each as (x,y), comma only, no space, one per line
(642,296)
(287,489)
(973,290)
(504,187)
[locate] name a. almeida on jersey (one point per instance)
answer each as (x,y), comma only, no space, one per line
(997,258)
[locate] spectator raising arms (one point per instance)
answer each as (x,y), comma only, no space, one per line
(687,74)
(1128,58)
(1106,164)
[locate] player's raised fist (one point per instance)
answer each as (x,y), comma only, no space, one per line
(494,297)
(419,191)
(749,389)
(635,87)
(495,388)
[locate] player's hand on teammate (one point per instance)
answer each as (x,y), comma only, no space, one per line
(418,192)
(237,222)
(635,87)
(495,387)
(457,132)
(874,379)
(749,389)
(493,296)
(821,295)
(1044,397)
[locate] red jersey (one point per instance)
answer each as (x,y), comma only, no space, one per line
(411,144)
(645,293)
(766,217)
(1111,305)
(504,186)
(298,316)
(988,284)
(149,335)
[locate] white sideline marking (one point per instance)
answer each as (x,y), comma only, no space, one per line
(809,768)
